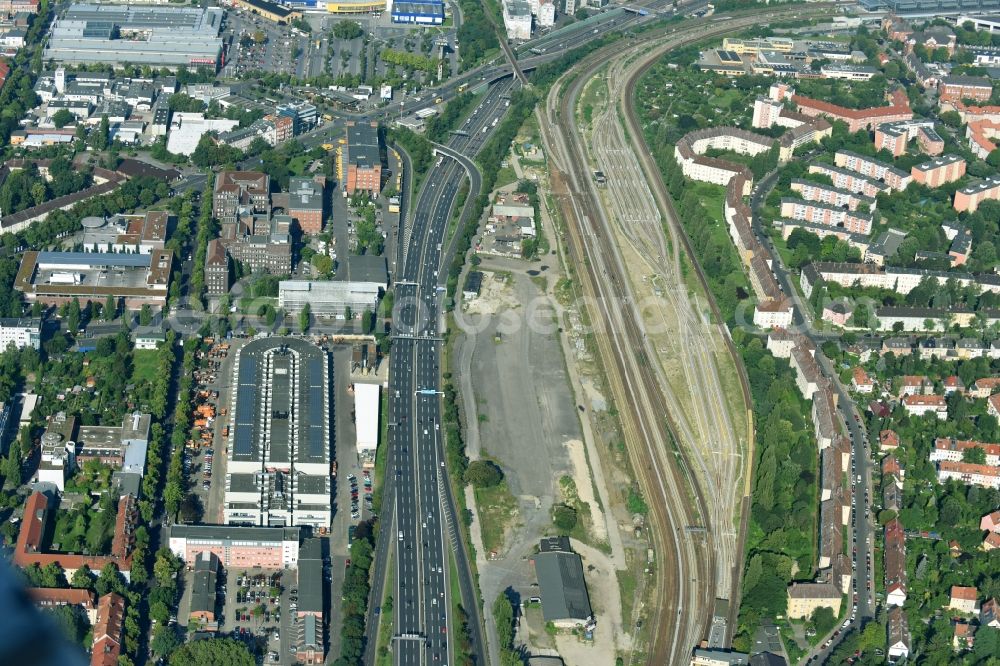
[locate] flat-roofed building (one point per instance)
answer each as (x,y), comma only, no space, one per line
(305,202)
(54,278)
(271,11)
(122,35)
(939,171)
(969,197)
(238,546)
(21,333)
(873,168)
(279,447)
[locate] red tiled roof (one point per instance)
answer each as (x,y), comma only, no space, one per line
(900,105)
(965,593)
(59,596)
(108,630)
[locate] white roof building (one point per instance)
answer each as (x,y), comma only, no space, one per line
(366,416)
(186,130)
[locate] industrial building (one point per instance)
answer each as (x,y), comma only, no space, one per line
(327,298)
(562,588)
(241,547)
(279,445)
(422,12)
(361,167)
(120,35)
(360,283)
(54,278)
(354,6)
(21,333)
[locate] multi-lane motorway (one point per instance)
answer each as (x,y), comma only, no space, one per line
(421,535)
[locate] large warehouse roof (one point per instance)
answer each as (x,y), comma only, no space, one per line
(170,36)
(561,586)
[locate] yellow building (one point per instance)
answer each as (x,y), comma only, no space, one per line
(356,6)
(269,10)
(805,598)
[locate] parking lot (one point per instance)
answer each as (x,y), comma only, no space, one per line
(255,607)
(278,53)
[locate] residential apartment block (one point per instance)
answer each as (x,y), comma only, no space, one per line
(831,196)
(896,136)
(968,198)
(918,405)
(969,473)
(832,216)
(857,119)
(872,168)
(939,171)
(20,333)
(849,180)
(949,448)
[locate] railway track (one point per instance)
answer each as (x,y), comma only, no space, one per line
(637,389)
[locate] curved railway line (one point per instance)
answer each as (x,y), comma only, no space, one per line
(676,498)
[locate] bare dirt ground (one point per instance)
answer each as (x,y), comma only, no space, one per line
(605,601)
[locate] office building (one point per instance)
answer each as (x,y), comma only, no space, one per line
(240,189)
(122,35)
(517,19)
(305,202)
(362,156)
(239,547)
(279,446)
(217,272)
(54,278)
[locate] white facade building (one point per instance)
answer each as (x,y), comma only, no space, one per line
(21,333)
(517,19)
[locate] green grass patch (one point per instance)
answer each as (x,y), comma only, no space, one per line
(383,657)
(627,585)
(496,508)
(381,456)
(144,366)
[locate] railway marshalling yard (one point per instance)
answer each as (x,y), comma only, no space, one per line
(703,393)
(664,349)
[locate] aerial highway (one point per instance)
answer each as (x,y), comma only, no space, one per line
(422,511)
